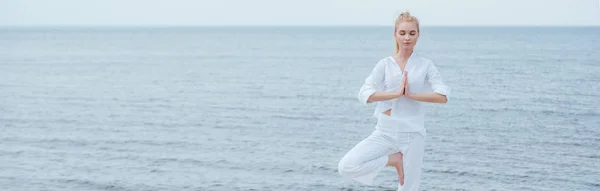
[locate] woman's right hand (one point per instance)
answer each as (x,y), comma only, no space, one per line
(403,86)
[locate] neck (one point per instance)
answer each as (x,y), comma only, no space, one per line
(404,54)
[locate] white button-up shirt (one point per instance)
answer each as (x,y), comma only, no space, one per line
(387,76)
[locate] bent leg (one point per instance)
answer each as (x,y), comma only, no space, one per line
(363,162)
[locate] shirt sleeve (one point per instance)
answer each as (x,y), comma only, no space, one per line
(437,83)
(373,83)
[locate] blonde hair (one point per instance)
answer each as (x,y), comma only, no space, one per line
(404,17)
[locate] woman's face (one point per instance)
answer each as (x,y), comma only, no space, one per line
(406,35)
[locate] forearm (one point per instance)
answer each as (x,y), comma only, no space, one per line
(382,96)
(429,97)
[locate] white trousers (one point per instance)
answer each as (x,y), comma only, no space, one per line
(367,158)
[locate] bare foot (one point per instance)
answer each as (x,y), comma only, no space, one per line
(395,160)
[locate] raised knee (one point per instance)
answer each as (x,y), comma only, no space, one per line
(346,169)
(341,168)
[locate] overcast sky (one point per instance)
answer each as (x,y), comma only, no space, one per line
(300,12)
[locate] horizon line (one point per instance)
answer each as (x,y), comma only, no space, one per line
(265,25)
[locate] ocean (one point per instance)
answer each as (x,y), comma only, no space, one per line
(275,108)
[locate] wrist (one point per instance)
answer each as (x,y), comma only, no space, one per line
(398,94)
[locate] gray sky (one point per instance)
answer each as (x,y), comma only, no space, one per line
(301,12)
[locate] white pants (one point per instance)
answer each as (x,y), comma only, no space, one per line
(363,162)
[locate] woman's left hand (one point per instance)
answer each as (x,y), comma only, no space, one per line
(406,87)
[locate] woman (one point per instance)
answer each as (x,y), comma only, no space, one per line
(398,83)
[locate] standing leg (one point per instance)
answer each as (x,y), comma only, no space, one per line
(395,160)
(363,162)
(413,162)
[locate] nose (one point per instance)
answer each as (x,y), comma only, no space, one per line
(407,38)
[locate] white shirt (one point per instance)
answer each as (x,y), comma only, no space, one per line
(423,77)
